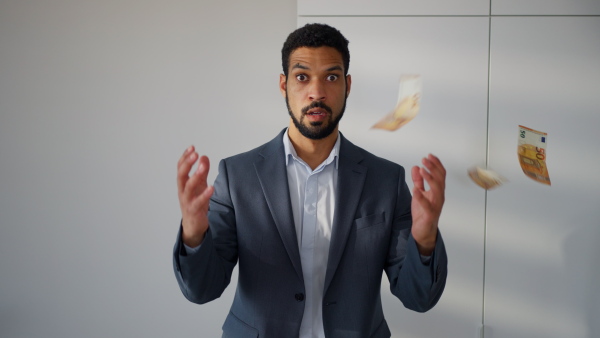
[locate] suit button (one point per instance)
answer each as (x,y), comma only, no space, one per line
(299,297)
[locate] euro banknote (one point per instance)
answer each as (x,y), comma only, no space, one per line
(486,178)
(407,107)
(532,154)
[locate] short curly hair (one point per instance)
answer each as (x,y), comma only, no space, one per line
(315,35)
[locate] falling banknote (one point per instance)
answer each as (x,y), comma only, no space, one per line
(532,154)
(409,97)
(485,178)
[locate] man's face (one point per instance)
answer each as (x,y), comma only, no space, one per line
(315,90)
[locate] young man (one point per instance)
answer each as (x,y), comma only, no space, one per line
(313,219)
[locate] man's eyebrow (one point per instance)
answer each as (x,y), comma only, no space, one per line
(330,69)
(297,65)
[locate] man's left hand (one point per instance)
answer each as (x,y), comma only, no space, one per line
(427,205)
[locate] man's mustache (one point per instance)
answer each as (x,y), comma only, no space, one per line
(316,104)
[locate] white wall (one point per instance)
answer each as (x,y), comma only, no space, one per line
(98,99)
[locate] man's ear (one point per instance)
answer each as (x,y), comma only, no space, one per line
(282,84)
(348,84)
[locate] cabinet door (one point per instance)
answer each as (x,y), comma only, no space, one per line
(393,7)
(542,252)
(451,55)
(545,7)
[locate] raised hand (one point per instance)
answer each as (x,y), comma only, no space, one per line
(194,195)
(427,205)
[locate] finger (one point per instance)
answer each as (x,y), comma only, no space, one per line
(203,168)
(183,170)
(185,154)
(201,173)
(435,160)
(417,178)
(436,169)
(417,194)
(435,166)
(436,184)
(197,182)
(419,198)
(201,201)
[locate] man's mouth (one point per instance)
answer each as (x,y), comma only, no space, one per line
(317,108)
(316,112)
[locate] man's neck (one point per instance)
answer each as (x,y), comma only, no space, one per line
(313,152)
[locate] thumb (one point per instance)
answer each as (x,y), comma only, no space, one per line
(417,178)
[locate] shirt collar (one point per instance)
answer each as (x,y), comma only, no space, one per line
(290,152)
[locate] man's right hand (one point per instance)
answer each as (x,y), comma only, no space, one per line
(194,195)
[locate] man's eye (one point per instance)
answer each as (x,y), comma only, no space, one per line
(332,77)
(301,77)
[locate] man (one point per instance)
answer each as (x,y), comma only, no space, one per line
(313,219)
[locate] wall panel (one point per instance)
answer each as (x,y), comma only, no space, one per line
(542,269)
(98,100)
(545,7)
(451,54)
(391,7)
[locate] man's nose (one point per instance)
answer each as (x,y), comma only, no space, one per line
(317,91)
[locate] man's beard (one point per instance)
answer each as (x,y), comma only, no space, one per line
(317,130)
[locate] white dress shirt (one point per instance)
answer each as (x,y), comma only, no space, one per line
(312,194)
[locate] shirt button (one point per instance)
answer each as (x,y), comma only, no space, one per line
(299,297)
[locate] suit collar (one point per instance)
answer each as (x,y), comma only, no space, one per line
(272,174)
(351,179)
(290,151)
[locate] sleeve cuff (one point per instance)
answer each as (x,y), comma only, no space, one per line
(191,251)
(426,260)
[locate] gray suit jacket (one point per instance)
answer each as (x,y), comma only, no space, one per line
(251,222)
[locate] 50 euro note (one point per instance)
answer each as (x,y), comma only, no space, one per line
(409,102)
(532,154)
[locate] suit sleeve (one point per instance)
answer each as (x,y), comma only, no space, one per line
(418,285)
(204,274)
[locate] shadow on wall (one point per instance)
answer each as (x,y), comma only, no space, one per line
(582,246)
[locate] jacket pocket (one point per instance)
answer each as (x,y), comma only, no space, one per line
(370,220)
(236,328)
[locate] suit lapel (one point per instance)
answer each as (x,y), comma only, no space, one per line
(351,179)
(272,175)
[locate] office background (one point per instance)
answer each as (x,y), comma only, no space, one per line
(98,99)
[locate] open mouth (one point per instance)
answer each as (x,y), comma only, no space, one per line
(316,109)
(317,112)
